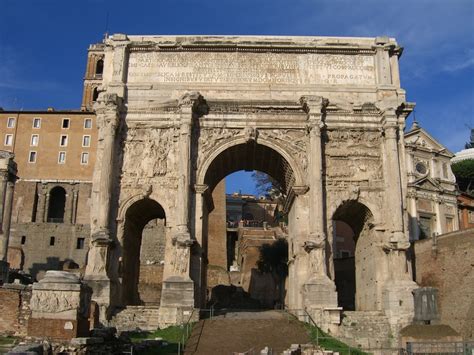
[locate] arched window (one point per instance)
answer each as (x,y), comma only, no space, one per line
(95,95)
(57,202)
(99,67)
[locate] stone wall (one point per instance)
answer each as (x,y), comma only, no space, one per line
(447,264)
(14,309)
(40,255)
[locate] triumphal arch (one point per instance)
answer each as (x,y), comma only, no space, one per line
(324,116)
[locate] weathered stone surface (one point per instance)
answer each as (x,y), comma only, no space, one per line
(27,349)
(323,116)
(62,302)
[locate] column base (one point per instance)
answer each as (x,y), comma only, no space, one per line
(177,301)
(320,292)
(4,270)
(101,294)
(398,302)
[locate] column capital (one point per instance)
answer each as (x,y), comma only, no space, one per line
(313,104)
(200,188)
(299,190)
(192,104)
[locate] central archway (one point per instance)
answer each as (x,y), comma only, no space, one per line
(249,156)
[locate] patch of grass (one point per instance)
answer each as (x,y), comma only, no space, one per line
(172,335)
(329,343)
(7,340)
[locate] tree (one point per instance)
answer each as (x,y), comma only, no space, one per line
(464,172)
(266,185)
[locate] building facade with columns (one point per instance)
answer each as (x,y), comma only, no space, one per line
(323,116)
(432,204)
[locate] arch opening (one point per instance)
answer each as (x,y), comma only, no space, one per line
(143,253)
(57,205)
(249,157)
(352,249)
(244,233)
(99,67)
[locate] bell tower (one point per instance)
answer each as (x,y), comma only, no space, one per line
(93,76)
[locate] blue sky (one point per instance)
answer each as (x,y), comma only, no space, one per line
(43,45)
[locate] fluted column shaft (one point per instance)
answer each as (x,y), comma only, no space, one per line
(7,217)
(393,188)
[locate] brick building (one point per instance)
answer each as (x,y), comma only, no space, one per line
(55,154)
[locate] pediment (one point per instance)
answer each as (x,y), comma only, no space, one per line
(426,183)
(419,137)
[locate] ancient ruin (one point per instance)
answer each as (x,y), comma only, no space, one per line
(323,116)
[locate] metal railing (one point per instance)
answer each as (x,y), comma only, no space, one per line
(439,348)
(187,328)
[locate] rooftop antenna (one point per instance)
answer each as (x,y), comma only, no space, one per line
(106,34)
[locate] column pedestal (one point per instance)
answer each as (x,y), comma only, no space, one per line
(177,301)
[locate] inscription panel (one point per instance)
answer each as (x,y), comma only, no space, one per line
(251,68)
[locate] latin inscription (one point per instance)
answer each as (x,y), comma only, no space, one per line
(252,68)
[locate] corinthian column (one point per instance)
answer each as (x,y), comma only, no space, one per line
(108,110)
(178,289)
(393,181)
(397,298)
(319,288)
(7,184)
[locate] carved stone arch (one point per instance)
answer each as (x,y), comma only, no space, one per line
(370,205)
(129,201)
(209,158)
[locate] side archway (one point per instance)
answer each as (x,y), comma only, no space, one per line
(354,262)
(142,267)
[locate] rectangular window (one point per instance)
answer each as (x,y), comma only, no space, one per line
(8,139)
(63,140)
(62,157)
(23,239)
(34,140)
(11,122)
(85,158)
(52,241)
(80,243)
(86,141)
(449,224)
(425,227)
(445,170)
(65,123)
(37,122)
(88,123)
(32,157)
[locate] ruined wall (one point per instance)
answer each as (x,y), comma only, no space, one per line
(152,256)
(38,251)
(14,309)
(217,231)
(449,267)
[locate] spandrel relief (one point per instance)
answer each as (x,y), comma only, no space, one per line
(294,140)
(149,153)
(356,169)
(353,142)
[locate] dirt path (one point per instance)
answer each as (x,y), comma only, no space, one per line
(241,332)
